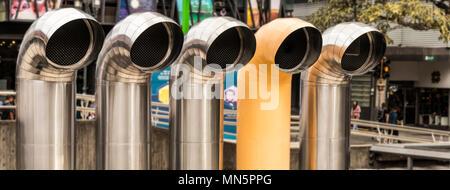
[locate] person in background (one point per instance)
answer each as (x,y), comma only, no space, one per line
(400,116)
(356,113)
(92,104)
(9,113)
(393,119)
(91,116)
(77,112)
(1,111)
(383,114)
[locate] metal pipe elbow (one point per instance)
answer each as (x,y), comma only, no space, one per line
(220,42)
(57,44)
(137,46)
(349,48)
(291,43)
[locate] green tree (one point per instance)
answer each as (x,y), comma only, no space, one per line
(383,14)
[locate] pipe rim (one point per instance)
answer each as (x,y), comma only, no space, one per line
(174,46)
(377,48)
(312,51)
(96,37)
(247,47)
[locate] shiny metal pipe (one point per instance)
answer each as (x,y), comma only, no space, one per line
(216,44)
(54,47)
(137,46)
(348,49)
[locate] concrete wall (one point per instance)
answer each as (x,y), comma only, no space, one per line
(360,157)
(425,75)
(7,145)
(420,72)
(85,146)
(85,149)
(404,71)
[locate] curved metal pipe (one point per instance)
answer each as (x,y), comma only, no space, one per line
(211,47)
(137,46)
(284,46)
(348,49)
(54,47)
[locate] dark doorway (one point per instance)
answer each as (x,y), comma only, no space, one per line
(403,95)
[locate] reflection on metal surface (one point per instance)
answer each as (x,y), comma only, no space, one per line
(263,135)
(348,49)
(137,46)
(55,46)
(196,122)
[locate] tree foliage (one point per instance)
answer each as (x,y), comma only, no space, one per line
(385,15)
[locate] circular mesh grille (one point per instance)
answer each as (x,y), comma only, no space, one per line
(151,46)
(177,44)
(69,44)
(292,50)
(225,49)
(356,54)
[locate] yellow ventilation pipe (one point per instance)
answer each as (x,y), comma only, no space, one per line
(283,47)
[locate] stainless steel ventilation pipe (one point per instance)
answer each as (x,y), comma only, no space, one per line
(137,46)
(216,44)
(348,49)
(55,46)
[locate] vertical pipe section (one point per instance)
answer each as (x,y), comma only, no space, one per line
(211,47)
(54,47)
(348,49)
(284,46)
(137,46)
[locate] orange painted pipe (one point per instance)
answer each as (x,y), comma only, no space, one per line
(283,47)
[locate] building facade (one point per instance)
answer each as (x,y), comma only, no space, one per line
(419,81)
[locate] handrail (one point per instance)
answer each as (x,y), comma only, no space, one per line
(7,107)
(410,129)
(7,92)
(398,127)
(390,137)
(83,107)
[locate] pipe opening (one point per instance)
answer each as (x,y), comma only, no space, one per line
(292,50)
(299,50)
(235,45)
(356,54)
(363,52)
(70,43)
(151,47)
(225,49)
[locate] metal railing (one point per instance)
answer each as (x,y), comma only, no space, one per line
(82,107)
(7,93)
(383,133)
